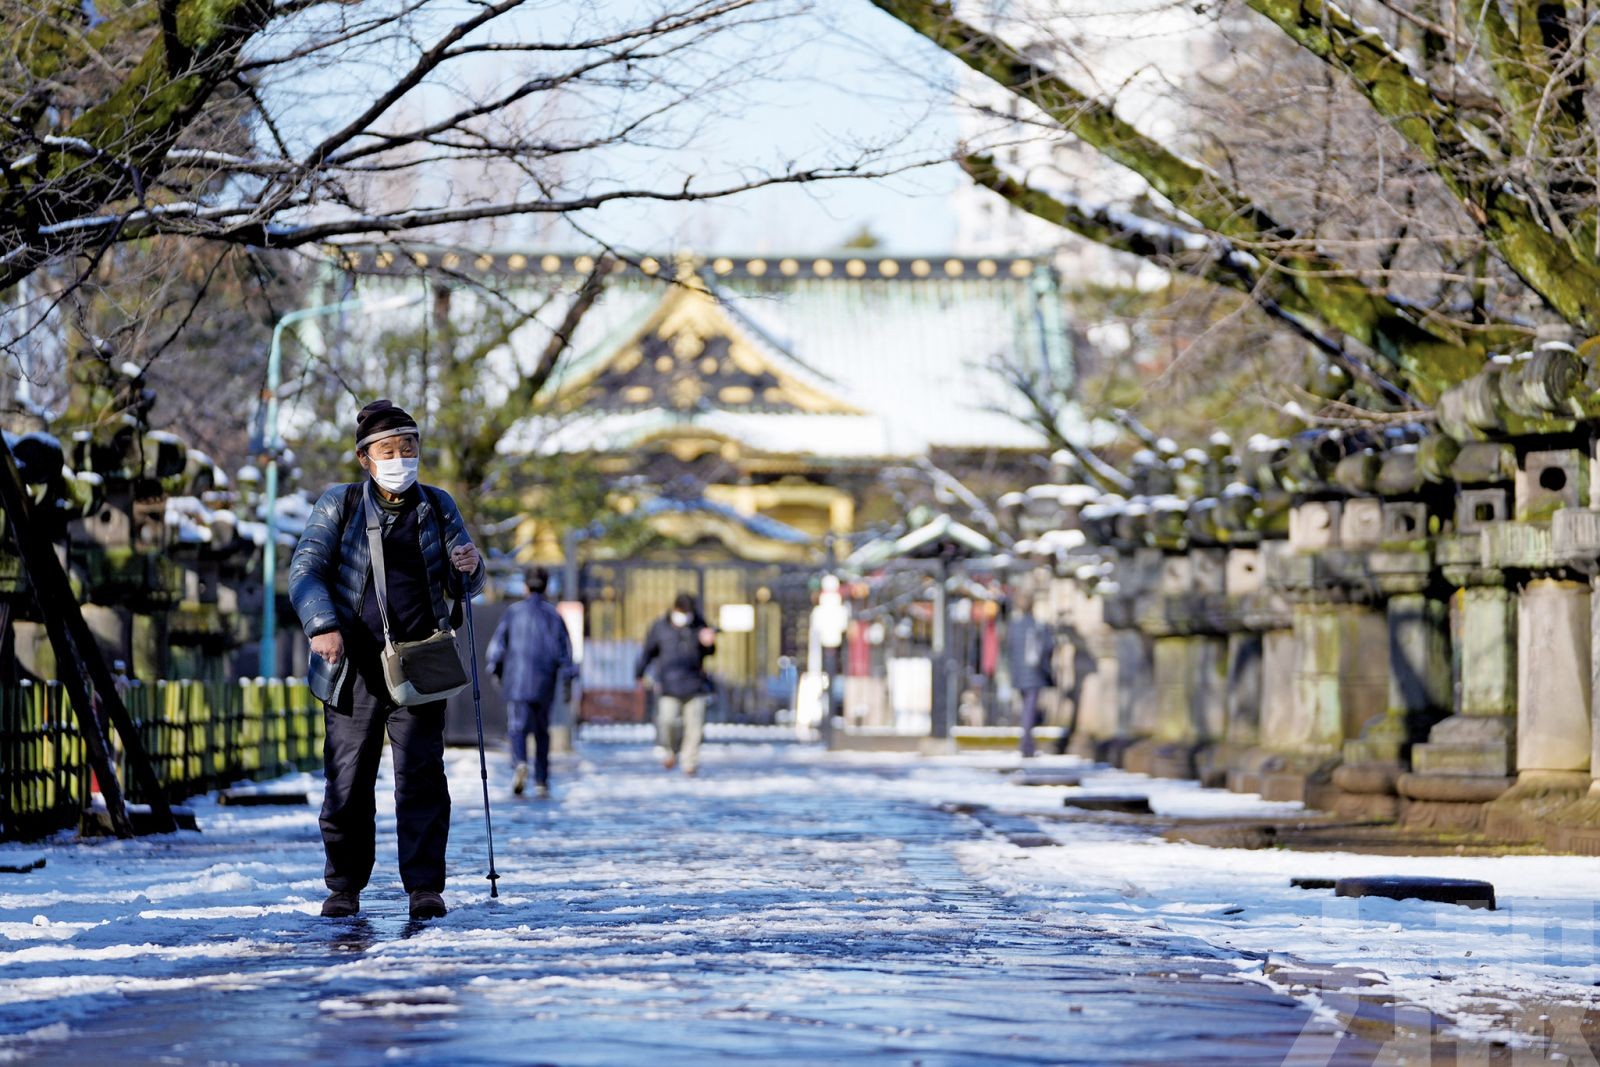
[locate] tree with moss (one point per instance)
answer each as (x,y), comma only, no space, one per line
(1479,110)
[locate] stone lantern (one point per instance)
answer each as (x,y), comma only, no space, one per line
(1341,677)
(1532,410)
(1469,758)
(1395,539)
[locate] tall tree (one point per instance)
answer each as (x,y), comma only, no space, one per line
(1488,105)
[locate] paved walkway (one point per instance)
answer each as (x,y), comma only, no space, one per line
(783,907)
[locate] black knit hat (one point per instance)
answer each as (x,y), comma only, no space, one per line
(380,419)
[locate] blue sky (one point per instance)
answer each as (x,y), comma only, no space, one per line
(796,92)
(852,75)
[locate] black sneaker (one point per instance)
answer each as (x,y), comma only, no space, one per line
(341,904)
(426,904)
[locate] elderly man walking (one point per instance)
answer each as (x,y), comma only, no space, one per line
(531,654)
(424,552)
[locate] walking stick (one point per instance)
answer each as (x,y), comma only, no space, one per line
(483,760)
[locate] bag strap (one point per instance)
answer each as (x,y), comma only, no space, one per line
(380,576)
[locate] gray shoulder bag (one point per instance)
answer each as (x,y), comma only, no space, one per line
(416,672)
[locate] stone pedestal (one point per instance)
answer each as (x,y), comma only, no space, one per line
(1279,659)
(1576,827)
(1241,731)
(1172,738)
(1340,682)
(1553,709)
(1191,690)
(1340,675)
(1166,745)
(1469,758)
(1135,691)
(1245,614)
(1419,695)
(1097,699)
(1126,658)
(1208,696)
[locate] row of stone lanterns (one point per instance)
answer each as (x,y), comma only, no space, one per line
(1391,623)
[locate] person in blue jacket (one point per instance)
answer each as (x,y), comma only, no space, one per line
(531,654)
(429,557)
(1032,649)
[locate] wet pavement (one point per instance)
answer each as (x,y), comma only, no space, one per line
(776,909)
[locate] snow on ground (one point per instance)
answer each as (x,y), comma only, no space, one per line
(234,909)
(1471,965)
(1474,966)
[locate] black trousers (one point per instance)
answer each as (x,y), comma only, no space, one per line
(1030,717)
(351,753)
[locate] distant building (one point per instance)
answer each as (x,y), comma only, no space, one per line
(753,410)
(756,401)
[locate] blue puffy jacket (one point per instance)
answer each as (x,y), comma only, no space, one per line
(332,564)
(530,651)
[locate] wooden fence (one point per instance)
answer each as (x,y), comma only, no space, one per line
(200,736)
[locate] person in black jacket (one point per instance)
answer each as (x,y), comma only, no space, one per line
(677,645)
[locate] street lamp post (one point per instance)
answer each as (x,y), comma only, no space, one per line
(272,449)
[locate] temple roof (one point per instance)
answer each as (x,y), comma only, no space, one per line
(852,358)
(695,353)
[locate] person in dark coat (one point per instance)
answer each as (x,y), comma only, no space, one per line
(677,645)
(531,654)
(1083,665)
(1030,646)
(427,556)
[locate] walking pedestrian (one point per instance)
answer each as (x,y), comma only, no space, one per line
(531,654)
(1031,646)
(425,549)
(1084,664)
(677,644)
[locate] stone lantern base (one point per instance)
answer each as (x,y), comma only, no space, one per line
(1454,803)
(1523,814)
(1306,778)
(1576,827)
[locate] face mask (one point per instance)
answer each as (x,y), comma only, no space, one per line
(680,619)
(395,475)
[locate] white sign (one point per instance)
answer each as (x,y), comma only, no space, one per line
(737,618)
(571,612)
